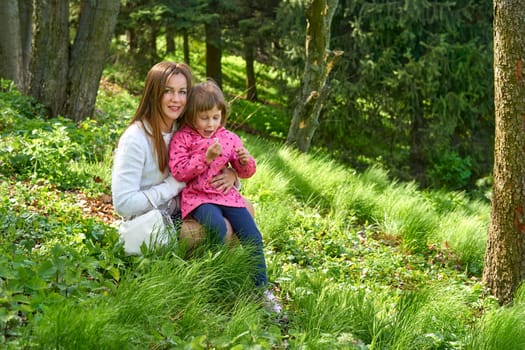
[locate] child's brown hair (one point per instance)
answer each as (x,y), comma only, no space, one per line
(203,97)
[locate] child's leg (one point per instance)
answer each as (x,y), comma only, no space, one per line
(210,216)
(246,229)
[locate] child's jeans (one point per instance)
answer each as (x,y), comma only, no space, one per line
(211,216)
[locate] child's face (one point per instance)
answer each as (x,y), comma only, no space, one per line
(208,121)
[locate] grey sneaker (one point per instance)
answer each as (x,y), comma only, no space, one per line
(271,303)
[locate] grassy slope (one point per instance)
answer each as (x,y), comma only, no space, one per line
(359,261)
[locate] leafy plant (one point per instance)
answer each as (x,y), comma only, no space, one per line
(451,171)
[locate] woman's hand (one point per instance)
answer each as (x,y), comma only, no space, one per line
(225,180)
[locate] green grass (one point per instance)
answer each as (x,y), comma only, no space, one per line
(359,261)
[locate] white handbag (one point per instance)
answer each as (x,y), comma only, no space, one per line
(152,228)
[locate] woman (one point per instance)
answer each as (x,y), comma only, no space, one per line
(141,159)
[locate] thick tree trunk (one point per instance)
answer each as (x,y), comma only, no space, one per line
(50,54)
(88,56)
(10,42)
(213,50)
(319,62)
(505,254)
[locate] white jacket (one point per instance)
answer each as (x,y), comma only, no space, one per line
(135,170)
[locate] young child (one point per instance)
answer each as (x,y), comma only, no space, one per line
(199,151)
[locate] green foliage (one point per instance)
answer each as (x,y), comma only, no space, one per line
(412,86)
(48,254)
(500,329)
(42,154)
(49,150)
(450,171)
(359,261)
(15,105)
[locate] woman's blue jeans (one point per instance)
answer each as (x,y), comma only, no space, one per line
(211,216)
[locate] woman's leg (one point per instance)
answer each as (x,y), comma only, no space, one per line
(192,233)
(249,206)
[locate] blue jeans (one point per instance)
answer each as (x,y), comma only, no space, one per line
(211,216)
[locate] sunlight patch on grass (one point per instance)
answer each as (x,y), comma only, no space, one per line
(73,326)
(402,212)
(432,317)
(502,328)
(466,235)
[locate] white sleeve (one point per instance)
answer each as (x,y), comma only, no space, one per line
(162,193)
(130,176)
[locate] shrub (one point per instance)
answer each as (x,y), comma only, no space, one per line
(450,171)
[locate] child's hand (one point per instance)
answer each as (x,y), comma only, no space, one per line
(213,151)
(243,155)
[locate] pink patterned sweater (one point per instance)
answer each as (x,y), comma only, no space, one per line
(188,163)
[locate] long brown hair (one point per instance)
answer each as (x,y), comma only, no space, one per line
(150,106)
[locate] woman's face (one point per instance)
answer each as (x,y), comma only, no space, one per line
(174,98)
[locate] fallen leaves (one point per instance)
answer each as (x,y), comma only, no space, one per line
(100,207)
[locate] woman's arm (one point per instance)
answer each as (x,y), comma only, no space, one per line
(135,170)
(227,179)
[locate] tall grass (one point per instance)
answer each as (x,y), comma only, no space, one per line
(466,236)
(163,301)
(397,209)
(342,316)
(502,328)
(404,213)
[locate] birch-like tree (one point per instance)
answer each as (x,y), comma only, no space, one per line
(318,64)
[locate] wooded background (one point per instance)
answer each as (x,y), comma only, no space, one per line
(407,85)
(412,88)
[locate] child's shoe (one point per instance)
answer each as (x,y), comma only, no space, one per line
(271,303)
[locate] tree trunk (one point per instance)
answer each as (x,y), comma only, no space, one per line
(213,50)
(26,29)
(417,155)
(50,56)
(186,46)
(88,56)
(319,63)
(505,253)
(170,41)
(251,82)
(153,55)
(10,42)
(131,38)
